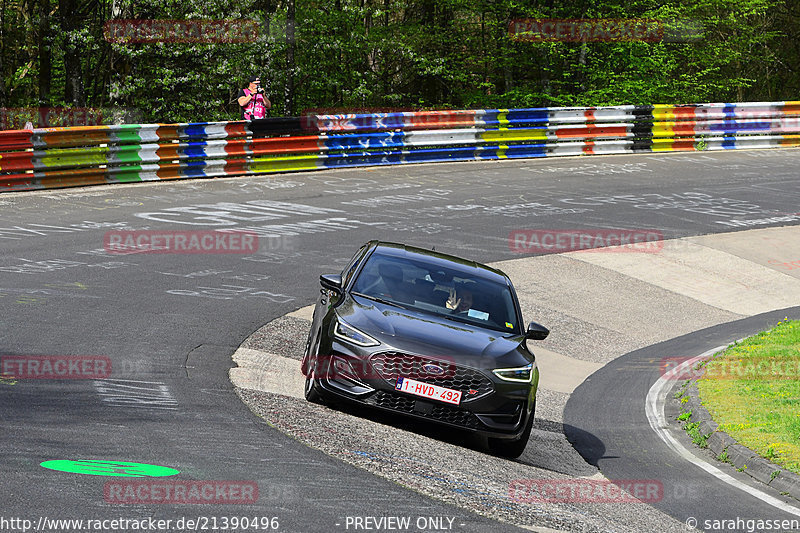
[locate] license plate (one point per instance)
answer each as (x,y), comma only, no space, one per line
(426,390)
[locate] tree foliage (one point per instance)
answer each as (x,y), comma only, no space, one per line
(392,54)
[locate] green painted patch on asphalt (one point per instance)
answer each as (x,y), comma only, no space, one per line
(109,468)
(752,390)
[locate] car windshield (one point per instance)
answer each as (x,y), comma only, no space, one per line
(450,292)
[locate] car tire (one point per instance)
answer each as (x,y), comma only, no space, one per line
(310,391)
(306,355)
(511,449)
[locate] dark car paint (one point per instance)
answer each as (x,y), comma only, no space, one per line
(428,334)
(425,334)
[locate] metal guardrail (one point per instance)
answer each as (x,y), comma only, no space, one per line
(64,157)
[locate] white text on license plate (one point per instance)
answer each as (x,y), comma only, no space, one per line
(426,390)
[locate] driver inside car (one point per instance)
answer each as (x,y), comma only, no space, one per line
(460,300)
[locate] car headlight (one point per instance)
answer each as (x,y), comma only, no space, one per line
(351,334)
(521,374)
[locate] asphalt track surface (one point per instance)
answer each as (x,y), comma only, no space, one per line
(173,321)
(605,420)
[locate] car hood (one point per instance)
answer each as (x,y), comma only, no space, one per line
(427,334)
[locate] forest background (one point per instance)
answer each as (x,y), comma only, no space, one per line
(383,55)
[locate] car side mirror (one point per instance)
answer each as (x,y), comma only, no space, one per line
(332,282)
(536,332)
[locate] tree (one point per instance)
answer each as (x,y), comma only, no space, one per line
(392,54)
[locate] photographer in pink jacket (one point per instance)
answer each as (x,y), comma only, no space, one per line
(252,101)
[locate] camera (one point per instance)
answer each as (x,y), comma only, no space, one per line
(260,89)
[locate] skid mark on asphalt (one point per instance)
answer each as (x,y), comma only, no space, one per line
(149,395)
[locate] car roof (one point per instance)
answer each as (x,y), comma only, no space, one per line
(435,258)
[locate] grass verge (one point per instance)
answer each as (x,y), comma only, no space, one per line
(752,389)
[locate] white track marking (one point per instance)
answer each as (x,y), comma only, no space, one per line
(654,409)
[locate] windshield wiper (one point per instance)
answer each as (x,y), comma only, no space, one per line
(380,300)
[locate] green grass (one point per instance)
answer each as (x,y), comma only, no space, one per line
(752,389)
(693,429)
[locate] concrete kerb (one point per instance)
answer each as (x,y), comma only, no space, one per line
(742,458)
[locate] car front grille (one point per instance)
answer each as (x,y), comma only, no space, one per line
(471,382)
(442,413)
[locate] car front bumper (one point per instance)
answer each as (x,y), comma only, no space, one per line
(489,405)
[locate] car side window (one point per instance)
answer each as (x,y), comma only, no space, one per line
(351,267)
